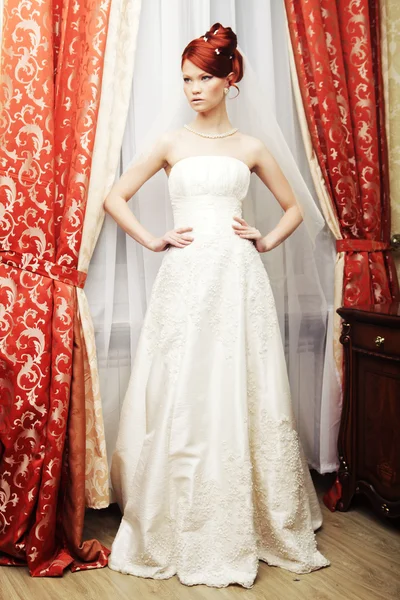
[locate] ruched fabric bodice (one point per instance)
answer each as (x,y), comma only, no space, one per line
(207,191)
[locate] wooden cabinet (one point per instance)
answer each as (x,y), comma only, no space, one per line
(369,437)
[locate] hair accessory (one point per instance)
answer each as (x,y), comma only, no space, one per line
(231,56)
(216,31)
(205,38)
(217,51)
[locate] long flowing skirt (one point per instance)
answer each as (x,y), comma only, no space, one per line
(209,470)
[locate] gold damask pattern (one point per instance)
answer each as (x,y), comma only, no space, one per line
(390,22)
(51,73)
(337,58)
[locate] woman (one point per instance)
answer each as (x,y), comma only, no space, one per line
(208,469)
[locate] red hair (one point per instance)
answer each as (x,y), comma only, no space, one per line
(202,53)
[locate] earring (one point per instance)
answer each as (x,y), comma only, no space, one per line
(226,90)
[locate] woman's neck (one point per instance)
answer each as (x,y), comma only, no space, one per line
(213,121)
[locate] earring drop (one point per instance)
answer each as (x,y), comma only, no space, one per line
(226,90)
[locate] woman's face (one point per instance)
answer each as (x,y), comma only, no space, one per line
(203,90)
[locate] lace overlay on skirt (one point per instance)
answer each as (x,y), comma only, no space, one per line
(209,470)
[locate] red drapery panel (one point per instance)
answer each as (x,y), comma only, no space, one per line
(336,49)
(52,64)
(337,55)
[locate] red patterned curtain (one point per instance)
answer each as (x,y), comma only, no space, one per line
(337,55)
(51,71)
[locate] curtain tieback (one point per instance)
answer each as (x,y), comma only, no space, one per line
(28,262)
(350,245)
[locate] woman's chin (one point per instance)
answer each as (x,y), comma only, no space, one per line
(198,108)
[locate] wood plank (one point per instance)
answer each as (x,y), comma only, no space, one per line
(364,552)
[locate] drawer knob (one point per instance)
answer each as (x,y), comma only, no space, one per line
(395,241)
(379,341)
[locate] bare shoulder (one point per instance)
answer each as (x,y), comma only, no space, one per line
(254,149)
(168,142)
(252,144)
(173,137)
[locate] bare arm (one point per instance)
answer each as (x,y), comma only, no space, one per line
(271,175)
(129,183)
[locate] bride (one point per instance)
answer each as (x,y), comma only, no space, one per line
(208,469)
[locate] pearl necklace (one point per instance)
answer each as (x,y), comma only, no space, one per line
(212,135)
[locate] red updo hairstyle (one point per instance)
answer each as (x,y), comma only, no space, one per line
(216,53)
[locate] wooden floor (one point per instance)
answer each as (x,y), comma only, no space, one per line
(364,552)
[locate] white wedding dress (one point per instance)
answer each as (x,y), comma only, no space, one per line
(208,469)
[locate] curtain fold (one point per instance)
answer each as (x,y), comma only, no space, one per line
(390,46)
(337,57)
(115,93)
(332,393)
(72,490)
(49,104)
(336,54)
(115,96)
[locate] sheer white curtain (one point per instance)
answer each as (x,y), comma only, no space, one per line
(122,272)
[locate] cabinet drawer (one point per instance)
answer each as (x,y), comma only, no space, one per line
(376,338)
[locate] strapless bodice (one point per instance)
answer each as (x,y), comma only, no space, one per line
(207,191)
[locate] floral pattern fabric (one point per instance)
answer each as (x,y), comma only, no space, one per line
(390,44)
(51,72)
(337,56)
(338,70)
